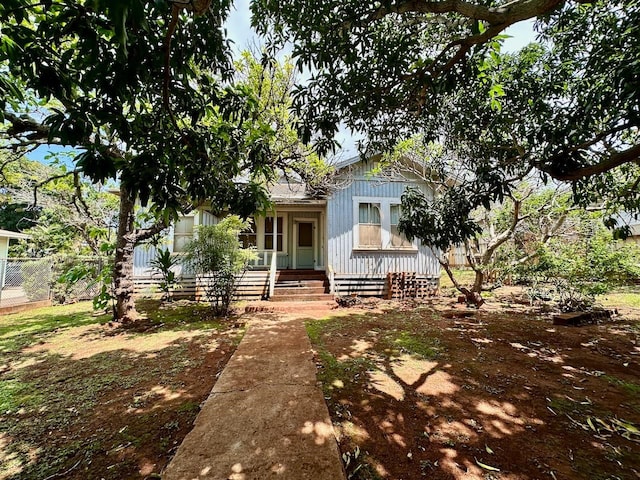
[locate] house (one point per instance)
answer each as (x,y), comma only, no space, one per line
(5,237)
(346,243)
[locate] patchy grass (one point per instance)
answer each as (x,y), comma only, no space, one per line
(22,329)
(406,342)
(83,398)
(464,276)
(629,298)
(631,387)
(423,394)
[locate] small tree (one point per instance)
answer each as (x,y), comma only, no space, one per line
(485,230)
(218,261)
(164,263)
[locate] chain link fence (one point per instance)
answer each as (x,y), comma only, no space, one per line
(29,280)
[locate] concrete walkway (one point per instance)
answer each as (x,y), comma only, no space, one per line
(266,416)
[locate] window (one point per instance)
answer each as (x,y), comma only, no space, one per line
(369,227)
(248,237)
(397,239)
(182,233)
(268,233)
(375,225)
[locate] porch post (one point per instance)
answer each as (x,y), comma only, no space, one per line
(274,255)
(275,232)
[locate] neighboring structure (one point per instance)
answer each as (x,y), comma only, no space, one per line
(634,227)
(5,237)
(8,291)
(346,243)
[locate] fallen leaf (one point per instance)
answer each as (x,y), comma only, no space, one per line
(485,466)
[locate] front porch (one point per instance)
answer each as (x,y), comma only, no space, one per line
(292,235)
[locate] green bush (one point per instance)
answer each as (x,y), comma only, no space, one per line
(590,262)
(218,261)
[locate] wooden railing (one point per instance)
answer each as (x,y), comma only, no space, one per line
(263,260)
(272,274)
(332,279)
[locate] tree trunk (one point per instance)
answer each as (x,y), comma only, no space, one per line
(125,310)
(478,281)
(472,297)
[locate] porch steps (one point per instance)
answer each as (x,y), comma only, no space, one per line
(301,286)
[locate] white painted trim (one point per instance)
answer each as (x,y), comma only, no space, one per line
(385,224)
(171,234)
(323,254)
(260,230)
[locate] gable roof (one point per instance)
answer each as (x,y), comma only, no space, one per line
(347,162)
(292,193)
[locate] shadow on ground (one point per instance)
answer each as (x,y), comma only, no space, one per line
(494,396)
(80,399)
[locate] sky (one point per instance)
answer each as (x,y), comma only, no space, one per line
(243,37)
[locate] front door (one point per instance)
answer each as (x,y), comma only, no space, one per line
(304,257)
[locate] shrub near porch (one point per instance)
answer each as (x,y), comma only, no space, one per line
(82,399)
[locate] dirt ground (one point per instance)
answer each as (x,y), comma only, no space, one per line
(441,391)
(81,399)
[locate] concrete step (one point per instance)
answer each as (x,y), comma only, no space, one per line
(302,298)
(316,290)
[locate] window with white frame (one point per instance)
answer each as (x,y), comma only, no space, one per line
(269,233)
(397,239)
(249,237)
(376,224)
(369,225)
(182,233)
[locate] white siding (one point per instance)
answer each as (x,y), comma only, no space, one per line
(208,219)
(144,254)
(142,257)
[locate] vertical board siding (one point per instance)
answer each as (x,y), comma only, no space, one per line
(142,257)
(340,224)
(208,219)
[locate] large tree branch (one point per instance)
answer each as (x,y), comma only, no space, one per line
(548,235)
(46,181)
(25,124)
(614,160)
(142,234)
(505,235)
(78,197)
(507,14)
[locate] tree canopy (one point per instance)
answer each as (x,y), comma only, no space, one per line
(160,116)
(62,214)
(566,108)
(100,68)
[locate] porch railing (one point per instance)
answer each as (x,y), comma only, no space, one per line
(265,258)
(272,274)
(332,279)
